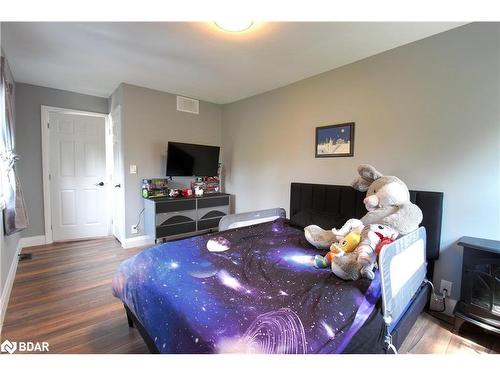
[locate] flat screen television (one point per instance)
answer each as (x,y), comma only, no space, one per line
(186,159)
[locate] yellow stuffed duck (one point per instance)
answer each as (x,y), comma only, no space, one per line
(346,245)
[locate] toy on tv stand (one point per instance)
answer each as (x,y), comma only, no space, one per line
(186,192)
(198,186)
(198,191)
(173,193)
(206,185)
(212,184)
(154,187)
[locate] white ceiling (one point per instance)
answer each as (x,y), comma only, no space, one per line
(194,59)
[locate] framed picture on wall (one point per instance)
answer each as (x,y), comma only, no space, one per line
(335,140)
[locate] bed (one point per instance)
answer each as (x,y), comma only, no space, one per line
(252,288)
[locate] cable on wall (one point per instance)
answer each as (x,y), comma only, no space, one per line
(140,218)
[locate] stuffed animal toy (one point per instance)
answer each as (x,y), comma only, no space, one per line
(373,238)
(323,239)
(347,267)
(387,201)
(358,251)
(388,204)
(346,245)
(320,238)
(362,261)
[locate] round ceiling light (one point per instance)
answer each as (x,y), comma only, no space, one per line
(234,26)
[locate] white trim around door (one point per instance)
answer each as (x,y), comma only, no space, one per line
(45,118)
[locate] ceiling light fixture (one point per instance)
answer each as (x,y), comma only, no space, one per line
(234,26)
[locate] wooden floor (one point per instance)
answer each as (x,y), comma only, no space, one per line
(63,296)
(431,335)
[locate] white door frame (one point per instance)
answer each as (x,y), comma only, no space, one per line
(119,234)
(45,117)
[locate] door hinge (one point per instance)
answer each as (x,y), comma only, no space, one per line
(48,125)
(50,176)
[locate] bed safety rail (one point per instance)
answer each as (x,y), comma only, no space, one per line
(403,268)
(250,218)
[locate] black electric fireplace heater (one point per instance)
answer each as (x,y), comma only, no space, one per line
(480,292)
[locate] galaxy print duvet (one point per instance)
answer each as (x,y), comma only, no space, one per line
(246,290)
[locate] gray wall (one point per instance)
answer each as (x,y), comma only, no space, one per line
(116,98)
(426,112)
(8,244)
(29,99)
(149,121)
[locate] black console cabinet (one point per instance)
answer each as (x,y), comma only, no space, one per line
(178,217)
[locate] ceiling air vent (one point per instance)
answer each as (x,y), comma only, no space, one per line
(188,105)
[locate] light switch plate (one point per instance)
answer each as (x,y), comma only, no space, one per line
(133,169)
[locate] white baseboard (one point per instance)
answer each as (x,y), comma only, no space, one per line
(137,241)
(32,241)
(4,301)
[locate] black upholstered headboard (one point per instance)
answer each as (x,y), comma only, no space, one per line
(349,202)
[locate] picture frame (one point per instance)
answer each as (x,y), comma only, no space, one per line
(334,140)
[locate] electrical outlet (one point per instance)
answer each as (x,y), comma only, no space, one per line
(134,229)
(445,284)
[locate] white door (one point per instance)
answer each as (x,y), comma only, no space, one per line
(77,176)
(118,191)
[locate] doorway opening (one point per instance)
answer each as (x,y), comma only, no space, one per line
(77,168)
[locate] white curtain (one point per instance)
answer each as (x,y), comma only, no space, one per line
(14,215)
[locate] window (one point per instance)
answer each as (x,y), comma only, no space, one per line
(3,133)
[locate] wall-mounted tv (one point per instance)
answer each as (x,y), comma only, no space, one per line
(185,159)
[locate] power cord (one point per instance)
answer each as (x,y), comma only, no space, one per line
(438,297)
(443,299)
(140,217)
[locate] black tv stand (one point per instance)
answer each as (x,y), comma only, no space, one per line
(171,218)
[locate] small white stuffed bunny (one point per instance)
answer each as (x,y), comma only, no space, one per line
(373,238)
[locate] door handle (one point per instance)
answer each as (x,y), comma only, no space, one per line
(118,186)
(100,184)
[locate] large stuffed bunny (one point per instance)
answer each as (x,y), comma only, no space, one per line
(388,204)
(387,201)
